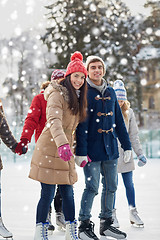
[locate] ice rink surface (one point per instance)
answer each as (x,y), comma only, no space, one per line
(21,194)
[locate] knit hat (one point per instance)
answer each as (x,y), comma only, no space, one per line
(120,90)
(76,64)
(57,74)
(92,58)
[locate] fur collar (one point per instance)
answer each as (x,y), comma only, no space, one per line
(55,85)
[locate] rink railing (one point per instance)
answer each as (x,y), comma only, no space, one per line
(150,141)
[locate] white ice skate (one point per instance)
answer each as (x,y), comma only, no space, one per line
(114,218)
(134,218)
(4,232)
(60,221)
(71,230)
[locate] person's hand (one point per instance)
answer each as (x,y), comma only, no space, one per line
(22,146)
(127,156)
(142,160)
(81,161)
(64,152)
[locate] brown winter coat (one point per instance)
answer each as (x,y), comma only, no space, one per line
(6,134)
(46,166)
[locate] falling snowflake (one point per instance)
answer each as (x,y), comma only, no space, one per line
(48,125)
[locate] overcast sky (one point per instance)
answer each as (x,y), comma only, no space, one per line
(16,15)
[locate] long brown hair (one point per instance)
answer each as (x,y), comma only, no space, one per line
(77,105)
(125,109)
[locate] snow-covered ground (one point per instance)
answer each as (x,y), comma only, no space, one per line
(21,194)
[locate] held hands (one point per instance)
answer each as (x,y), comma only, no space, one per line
(127,156)
(22,146)
(81,161)
(142,160)
(64,152)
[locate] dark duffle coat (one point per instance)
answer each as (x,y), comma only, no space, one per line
(97,136)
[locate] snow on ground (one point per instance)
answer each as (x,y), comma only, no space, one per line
(21,194)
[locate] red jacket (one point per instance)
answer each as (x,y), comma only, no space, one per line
(36,118)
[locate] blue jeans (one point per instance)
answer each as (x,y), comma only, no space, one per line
(92,171)
(47,195)
(129,186)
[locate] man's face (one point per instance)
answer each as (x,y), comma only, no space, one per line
(96,72)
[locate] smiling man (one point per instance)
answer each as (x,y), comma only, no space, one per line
(97,142)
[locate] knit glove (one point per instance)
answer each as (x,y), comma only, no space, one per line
(64,152)
(22,146)
(81,161)
(142,160)
(127,156)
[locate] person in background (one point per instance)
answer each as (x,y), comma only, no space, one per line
(35,122)
(52,161)
(9,140)
(96,139)
(126,167)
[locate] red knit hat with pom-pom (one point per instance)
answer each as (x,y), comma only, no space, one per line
(76,64)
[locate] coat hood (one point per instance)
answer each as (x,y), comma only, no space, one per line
(55,86)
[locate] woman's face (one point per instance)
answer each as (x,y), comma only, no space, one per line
(121,102)
(77,79)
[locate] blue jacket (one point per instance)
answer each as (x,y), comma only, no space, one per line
(97,136)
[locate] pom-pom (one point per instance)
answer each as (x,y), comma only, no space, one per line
(119,83)
(77,55)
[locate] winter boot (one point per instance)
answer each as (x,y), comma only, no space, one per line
(3,230)
(41,232)
(134,218)
(51,228)
(106,229)
(114,218)
(71,230)
(60,221)
(86,230)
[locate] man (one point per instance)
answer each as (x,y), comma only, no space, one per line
(97,145)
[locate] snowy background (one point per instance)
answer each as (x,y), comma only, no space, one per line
(21,194)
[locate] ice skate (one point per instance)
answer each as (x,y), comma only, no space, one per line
(106,229)
(4,231)
(114,218)
(71,230)
(51,228)
(134,218)
(86,230)
(41,232)
(60,221)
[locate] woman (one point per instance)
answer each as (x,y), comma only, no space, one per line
(126,166)
(52,162)
(34,123)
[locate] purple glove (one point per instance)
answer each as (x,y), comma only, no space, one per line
(64,152)
(81,161)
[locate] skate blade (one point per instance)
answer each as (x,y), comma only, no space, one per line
(61,229)
(9,238)
(137,225)
(111,238)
